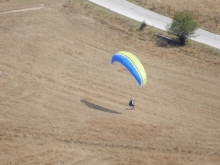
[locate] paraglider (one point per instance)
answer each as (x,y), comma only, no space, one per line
(133,65)
(131,103)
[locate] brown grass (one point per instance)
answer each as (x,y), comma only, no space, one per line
(206,12)
(61,102)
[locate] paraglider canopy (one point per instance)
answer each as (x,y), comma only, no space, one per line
(133,65)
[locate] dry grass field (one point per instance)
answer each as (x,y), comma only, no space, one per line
(206,12)
(62,103)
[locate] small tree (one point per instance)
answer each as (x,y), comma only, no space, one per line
(143,25)
(183,26)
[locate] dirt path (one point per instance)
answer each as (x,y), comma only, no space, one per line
(61,102)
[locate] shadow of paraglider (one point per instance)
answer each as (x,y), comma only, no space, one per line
(97,107)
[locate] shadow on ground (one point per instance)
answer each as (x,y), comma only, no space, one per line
(97,107)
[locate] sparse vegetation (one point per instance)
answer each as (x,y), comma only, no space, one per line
(143,25)
(205,12)
(129,26)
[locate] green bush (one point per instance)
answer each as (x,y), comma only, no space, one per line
(183,26)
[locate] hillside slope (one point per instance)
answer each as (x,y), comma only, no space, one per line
(61,102)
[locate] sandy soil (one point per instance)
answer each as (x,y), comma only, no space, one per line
(61,102)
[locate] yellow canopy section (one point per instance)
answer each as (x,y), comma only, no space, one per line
(135,67)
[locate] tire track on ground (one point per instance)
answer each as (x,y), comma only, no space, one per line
(22,10)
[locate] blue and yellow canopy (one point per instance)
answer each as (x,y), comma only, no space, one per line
(133,64)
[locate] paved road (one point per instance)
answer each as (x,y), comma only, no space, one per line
(140,14)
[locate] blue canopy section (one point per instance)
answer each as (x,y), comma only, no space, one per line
(127,61)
